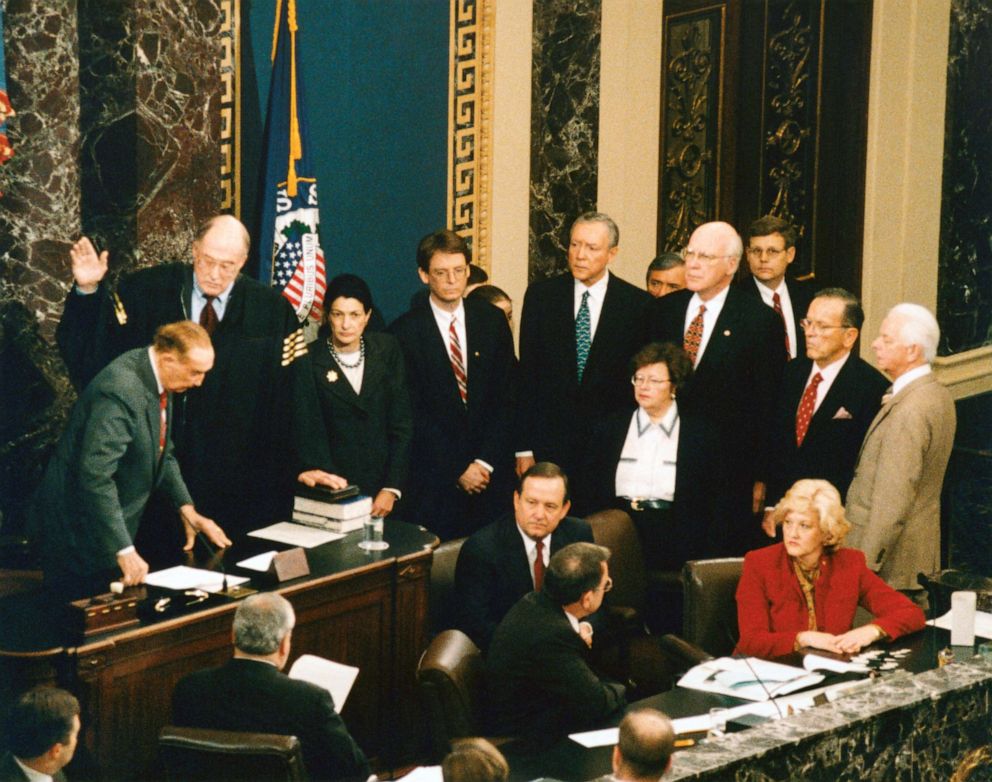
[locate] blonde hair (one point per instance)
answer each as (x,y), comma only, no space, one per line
(822,501)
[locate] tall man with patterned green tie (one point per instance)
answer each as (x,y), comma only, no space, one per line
(577,334)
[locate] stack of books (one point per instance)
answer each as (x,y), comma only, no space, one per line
(342,510)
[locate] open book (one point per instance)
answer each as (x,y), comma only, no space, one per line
(748,678)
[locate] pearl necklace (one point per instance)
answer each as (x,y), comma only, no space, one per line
(337,357)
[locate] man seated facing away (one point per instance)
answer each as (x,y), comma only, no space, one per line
(538,674)
(643,752)
(474,760)
(41,731)
(505,560)
(250,693)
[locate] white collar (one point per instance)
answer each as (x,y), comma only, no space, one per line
(158,381)
(908,377)
(715,304)
(596,291)
(444,315)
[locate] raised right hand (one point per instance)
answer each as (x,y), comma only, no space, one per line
(88,268)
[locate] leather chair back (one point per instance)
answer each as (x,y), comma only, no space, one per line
(442,599)
(710,618)
(614,529)
(450,681)
(201,754)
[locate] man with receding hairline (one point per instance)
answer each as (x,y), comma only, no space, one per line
(643,752)
(238,436)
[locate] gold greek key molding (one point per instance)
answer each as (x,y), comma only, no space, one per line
(470,122)
(230,107)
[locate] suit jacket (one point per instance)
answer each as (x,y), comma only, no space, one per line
(11,772)
(830,448)
(538,676)
(893,502)
(493,573)
(801,293)
(555,411)
(368,433)
(237,436)
(771,609)
(698,511)
(449,435)
(104,468)
(251,695)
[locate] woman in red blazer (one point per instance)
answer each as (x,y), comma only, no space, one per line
(803,592)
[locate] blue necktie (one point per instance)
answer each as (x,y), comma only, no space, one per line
(583,335)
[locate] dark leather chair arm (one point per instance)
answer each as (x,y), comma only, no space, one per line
(684,655)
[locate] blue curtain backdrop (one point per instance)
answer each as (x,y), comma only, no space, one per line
(377,87)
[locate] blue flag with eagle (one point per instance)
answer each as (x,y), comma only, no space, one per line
(290,256)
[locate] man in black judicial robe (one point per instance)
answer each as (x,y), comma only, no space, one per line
(235,436)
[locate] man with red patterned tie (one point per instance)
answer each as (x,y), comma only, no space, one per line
(827,400)
(771,249)
(115,451)
(459,368)
(505,560)
(735,343)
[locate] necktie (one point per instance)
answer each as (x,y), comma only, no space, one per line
(208,315)
(457,362)
(583,335)
(805,412)
(777,306)
(539,566)
(163,404)
(694,336)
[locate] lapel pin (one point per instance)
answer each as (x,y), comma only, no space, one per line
(726,332)
(476,354)
(332,376)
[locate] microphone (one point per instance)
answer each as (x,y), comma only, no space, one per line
(754,673)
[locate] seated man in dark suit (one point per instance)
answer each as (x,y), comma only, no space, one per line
(250,693)
(41,731)
(539,679)
(499,564)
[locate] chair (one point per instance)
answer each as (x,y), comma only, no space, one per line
(710,624)
(450,681)
(201,754)
(442,599)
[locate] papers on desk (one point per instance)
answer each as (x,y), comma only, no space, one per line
(295,534)
(606,737)
(816,662)
(751,679)
(336,678)
(983,623)
(423,774)
(259,562)
(183,577)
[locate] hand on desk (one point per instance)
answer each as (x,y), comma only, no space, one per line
(193,522)
(851,642)
(133,567)
(475,479)
(314,477)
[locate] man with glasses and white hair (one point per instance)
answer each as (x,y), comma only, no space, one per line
(540,682)
(893,502)
(735,343)
(250,693)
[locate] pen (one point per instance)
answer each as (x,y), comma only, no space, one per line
(680,743)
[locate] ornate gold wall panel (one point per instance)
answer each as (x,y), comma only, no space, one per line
(470,121)
(230,107)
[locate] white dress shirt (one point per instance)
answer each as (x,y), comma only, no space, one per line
(646,470)
(31,774)
(199,301)
(443,319)
(713,309)
(827,377)
(597,292)
(905,379)
(767,294)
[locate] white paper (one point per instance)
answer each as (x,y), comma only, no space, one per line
(698,724)
(750,678)
(336,678)
(983,623)
(259,562)
(816,662)
(183,577)
(295,534)
(605,737)
(424,774)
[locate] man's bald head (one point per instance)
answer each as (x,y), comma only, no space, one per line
(711,258)
(644,749)
(220,249)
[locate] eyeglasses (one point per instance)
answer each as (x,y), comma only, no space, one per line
(640,380)
(449,274)
(813,328)
(691,255)
(771,252)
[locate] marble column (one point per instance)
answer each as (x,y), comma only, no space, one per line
(564,126)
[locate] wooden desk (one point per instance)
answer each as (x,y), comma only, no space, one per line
(363,609)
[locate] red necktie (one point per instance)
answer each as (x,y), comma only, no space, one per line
(805,412)
(208,315)
(539,566)
(694,336)
(457,363)
(163,404)
(777,306)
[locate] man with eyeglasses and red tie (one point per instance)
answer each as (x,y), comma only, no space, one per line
(827,401)
(771,249)
(735,345)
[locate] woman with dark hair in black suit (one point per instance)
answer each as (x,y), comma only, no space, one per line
(361,385)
